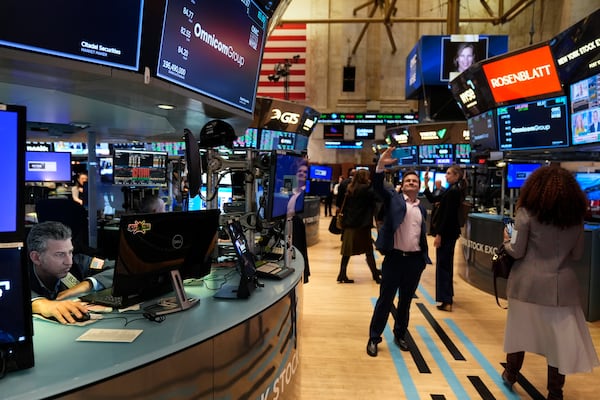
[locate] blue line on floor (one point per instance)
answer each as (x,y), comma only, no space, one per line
(487,366)
(410,390)
(445,368)
(426,295)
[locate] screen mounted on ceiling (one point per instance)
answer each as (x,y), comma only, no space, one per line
(214,49)
(585,111)
(533,125)
(101,32)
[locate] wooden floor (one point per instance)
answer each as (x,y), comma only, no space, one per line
(455,355)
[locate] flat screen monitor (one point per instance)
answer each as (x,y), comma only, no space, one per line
(248,140)
(362,132)
(482,132)
(106,32)
(140,168)
(47,166)
(318,188)
(436,154)
(229,33)
(81,149)
(286,186)
(534,125)
(462,153)
(406,155)
(16,328)
(441,176)
(322,172)
(517,174)
(106,169)
(153,245)
(12,158)
(279,140)
(585,111)
(590,184)
(333,131)
(343,144)
(174,149)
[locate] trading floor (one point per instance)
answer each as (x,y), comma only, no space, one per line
(454,355)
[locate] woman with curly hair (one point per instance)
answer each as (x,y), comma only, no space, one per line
(358,210)
(544,312)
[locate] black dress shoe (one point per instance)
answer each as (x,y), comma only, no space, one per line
(445,307)
(377,277)
(401,343)
(372,348)
(345,280)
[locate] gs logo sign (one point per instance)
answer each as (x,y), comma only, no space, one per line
(285,117)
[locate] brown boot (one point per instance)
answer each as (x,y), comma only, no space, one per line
(556,381)
(514,362)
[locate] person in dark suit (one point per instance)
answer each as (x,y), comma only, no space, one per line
(404,246)
(447,231)
(54,277)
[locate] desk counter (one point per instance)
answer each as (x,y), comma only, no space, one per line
(217,349)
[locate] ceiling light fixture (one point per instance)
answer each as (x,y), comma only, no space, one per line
(166,106)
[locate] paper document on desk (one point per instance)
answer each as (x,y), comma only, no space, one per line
(110,335)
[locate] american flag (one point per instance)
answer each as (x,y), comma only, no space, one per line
(285,42)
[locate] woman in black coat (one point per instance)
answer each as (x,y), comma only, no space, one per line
(358,210)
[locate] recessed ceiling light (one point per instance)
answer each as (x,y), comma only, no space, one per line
(165,106)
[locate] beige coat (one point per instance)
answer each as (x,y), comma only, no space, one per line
(543,272)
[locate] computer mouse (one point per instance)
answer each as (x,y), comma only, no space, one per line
(84,317)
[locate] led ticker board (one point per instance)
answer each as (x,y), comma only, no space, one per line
(436,154)
(373,119)
(528,74)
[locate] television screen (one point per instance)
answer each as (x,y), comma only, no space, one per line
(283,115)
(106,32)
(406,155)
(278,140)
(248,140)
(462,153)
(576,49)
(590,184)
(47,166)
(105,165)
(472,92)
(524,75)
(13,130)
(441,176)
(436,154)
(229,33)
(516,174)
(362,132)
(318,188)
(286,186)
(139,168)
(585,110)
(333,131)
(436,60)
(534,125)
(171,148)
(81,149)
(322,172)
(482,131)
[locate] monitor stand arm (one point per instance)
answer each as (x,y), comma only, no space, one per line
(182,302)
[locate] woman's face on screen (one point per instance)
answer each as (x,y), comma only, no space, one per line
(465,58)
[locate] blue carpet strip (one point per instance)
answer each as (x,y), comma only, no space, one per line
(481,388)
(441,333)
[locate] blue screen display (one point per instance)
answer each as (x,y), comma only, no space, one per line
(590,184)
(47,166)
(516,174)
(8,164)
(322,172)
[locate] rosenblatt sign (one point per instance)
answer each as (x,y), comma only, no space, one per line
(524,75)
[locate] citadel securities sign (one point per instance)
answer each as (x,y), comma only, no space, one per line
(528,74)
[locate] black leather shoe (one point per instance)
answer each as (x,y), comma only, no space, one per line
(345,280)
(401,343)
(372,348)
(445,307)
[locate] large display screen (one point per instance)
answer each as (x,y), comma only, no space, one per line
(533,125)
(362,132)
(517,174)
(102,32)
(278,140)
(42,166)
(139,168)
(406,155)
(287,186)
(462,153)
(436,60)
(590,184)
(322,172)
(436,154)
(12,130)
(585,111)
(333,131)
(482,131)
(248,140)
(214,48)
(524,75)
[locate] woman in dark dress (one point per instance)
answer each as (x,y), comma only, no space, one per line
(358,212)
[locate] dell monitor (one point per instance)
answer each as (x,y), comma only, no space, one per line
(156,251)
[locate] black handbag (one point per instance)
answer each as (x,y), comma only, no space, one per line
(502,263)
(333,226)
